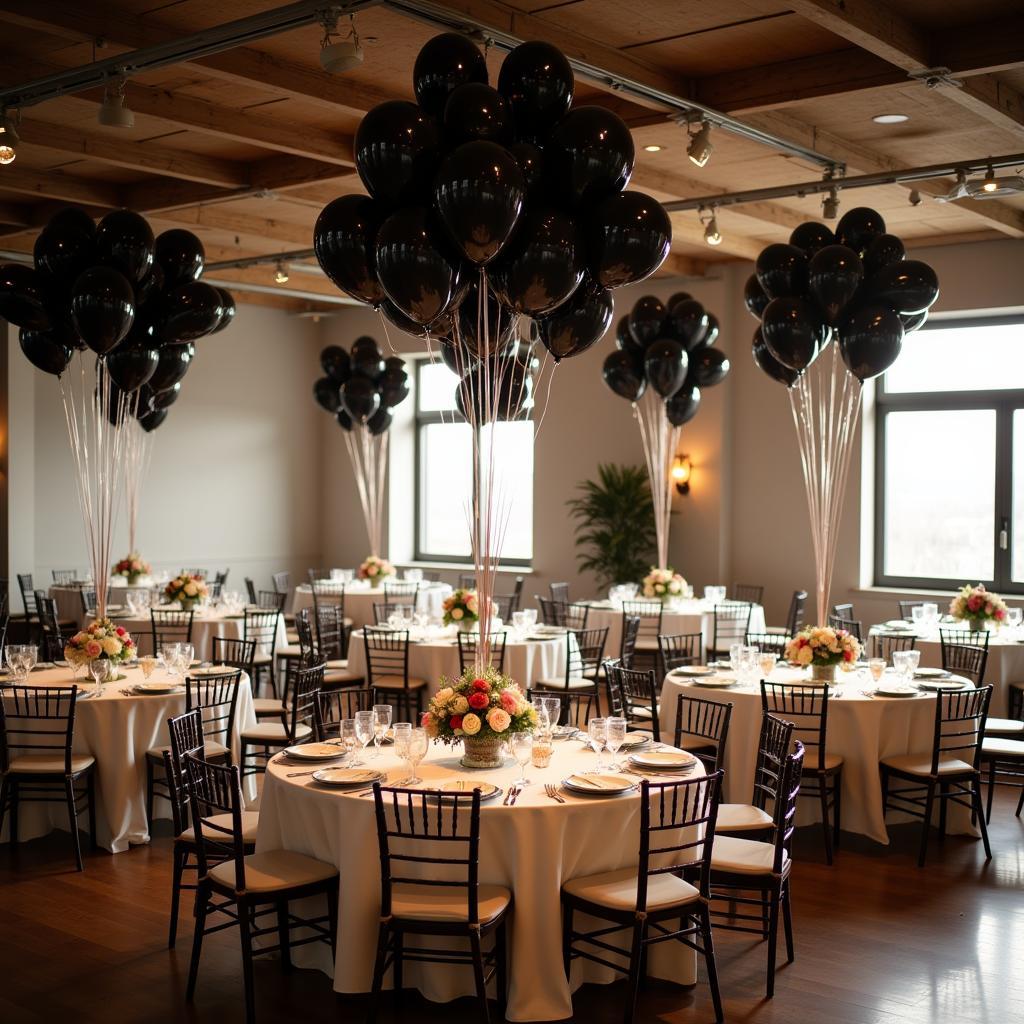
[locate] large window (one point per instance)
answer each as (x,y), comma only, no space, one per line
(949,482)
(445,467)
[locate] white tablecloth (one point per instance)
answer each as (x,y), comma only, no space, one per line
(69,599)
(694,616)
(359,601)
(531,848)
(861,729)
(118,729)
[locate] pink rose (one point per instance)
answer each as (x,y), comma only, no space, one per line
(508,701)
(93,649)
(1001,614)
(121,631)
(974,602)
(478,701)
(481,685)
(847,655)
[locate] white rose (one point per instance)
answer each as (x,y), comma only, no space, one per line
(460,705)
(498,719)
(471,725)
(111,646)
(457,613)
(444,695)
(191,590)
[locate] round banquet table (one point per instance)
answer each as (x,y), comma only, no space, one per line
(69,598)
(526,661)
(688,616)
(117,728)
(360,599)
(862,729)
(1005,663)
(531,848)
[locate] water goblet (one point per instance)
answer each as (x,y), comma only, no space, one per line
(876,666)
(395,619)
(148,665)
(1014,616)
(417,751)
(522,750)
(347,735)
(414,575)
(597,734)
(381,724)
(554,709)
(345,575)
(913,662)
(403,737)
(543,721)
(530,617)
(518,624)
(918,616)
(766,662)
(900,663)
(365,728)
(735,657)
(616,735)
(630,590)
(98,670)
(748,662)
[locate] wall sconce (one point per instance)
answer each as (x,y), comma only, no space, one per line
(681,473)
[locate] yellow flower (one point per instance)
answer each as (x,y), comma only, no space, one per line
(460,705)
(111,646)
(471,724)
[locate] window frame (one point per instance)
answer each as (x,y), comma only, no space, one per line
(1004,402)
(422,419)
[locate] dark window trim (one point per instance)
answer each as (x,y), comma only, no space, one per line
(1004,403)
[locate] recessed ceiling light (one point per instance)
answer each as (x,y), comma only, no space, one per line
(890,118)
(8,140)
(653,148)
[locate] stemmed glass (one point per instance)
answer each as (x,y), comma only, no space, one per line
(98,670)
(1014,617)
(616,735)
(417,751)
(364,729)
(735,657)
(381,724)
(522,750)
(876,666)
(767,661)
(403,737)
(347,736)
(597,733)
(19,660)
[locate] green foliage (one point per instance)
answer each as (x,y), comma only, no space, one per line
(615,530)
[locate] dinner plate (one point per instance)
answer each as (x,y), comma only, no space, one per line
(488,790)
(930,673)
(898,624)
(938,685)
(719,664)
(663,760)
(693,670)
(716,682)
(211,670)
(345,778)
(598,785)
(895,691)
(315,751)
(158,687)
(564,732)
(635,739)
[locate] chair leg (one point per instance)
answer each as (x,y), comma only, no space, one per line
(478,975)
(397,965)
(378,972)
(501,966)
(635,959)
(245,938)
(837,806)
(711,965)
(825,827)
(787,922)
(926,824)
(202,900)
(943,808)
(332,918)
(283,935)
(90,793)
(177,869)
(1020,803)
(991,790)
(14,796)
(885,790)
(149,795)
(4,797)
(976,802)
(773,939)
(567,941)
(76,840)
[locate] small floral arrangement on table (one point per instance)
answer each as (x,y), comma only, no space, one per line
(461,608)
(187,590)
(663,584)
(375,569)
(977,605)
(823,645)
(132,568)
(481,704)
(101,639)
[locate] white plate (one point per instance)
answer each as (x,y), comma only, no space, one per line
(898,624)
(931,673)
(663,760)
(212,670)
(635,739)
(315,752)
(564,732)
(598,785)
(488,790)
(719,682)
(937,685)
(693,670)
(158,687)
(896,691)
(348,777)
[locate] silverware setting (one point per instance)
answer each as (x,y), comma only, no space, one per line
(512,795)
(553,793)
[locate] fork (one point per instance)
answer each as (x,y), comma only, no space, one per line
(510,796)
(552,792)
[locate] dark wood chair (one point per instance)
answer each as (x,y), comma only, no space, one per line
(401,592)
(225,872)
(332,640)
(949,772)
(261,626)
(965,653)
(730,625)
(749,593)
(884,644)
(769,643)
(282,582)
(318,574)
(334,706)
(382,611)
(170,626)
(843,611)
(64,577)
(907,609)
(561,613)
(650,613)
(467,581)
(807,708)
(387,672)
(559,592)
(52,636)
(582,662)
(37,760)
(630,633)
(469,643)
(854,626)
(633,695)
(679,650)
(702,728)
(795,615)
(667,899)
(430,885)
(271,600)
(250,589)
(578,707)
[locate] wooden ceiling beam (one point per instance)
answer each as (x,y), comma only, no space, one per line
(15,215)
(56,185)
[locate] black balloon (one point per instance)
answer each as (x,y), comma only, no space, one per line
(397,147)
(366,360)
(189,311)
(665,364)
(23,296)
(909,286)
(336,363)
(770,365)
(676,297)
(782,270)
(45,350)
(149,421)
(621,375)
(542,265)
(537,81)
(166,398)
(132,363)
(579,323)
(870,340)
(503,397)
(630,236)
(443,64)
(883,250)
(683,406)
(102,307)
(180,255)
(834,275)
(912,321)
(709,366)
(590,156)
(454,356)
(754,297)
(344,420)
(531,163)
(811,237)
(500,325)
(379,421)
(479,192)
(689,323)
(172,367)
(360,398)
(393,315)
(227,310)
(326,393)
(794,331)
(148,292)
(624,339)
(394,363)
(646,319)
(66,246)
(124,241)
(476,111)
(413,269)
(857,228)
(344,240)
(711,335)
(394,387)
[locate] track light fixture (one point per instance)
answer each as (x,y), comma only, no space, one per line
(830,204)
(700,149)
(915,197)
(281,273)
(338,57)
(8,139)
(711,233)
(989,183)
(114,112)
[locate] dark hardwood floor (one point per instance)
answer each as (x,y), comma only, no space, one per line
(877,940)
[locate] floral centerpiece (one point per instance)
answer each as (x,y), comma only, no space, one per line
(481,709)
(187,590)
(132,568)
(375,569)
(461,609)
(663,584)
(976,606)
(823,648)
(101,640)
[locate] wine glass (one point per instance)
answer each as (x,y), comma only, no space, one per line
(902,665)
(767,660)
(1014,616)
(148,665)
(347,736)
(735,657)
(522,750)
(913,662)
(98,671)
(31,656)
(187,653)
(748,662)
(876,666)
(364,728)
(417,751)
(597,733)
(381,724)
(616,735)
(530,617)
(543,721)
(403,737)
(519,624)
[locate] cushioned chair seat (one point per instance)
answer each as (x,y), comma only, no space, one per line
(831,761)
(696,743)
(1006,726)
(47,764)
(250,823)
(396,683)
(576,683)
(213,749)
(341,678)
(617,890)
(275,870)
(743,856)
(290,650)
(921,764)
(741,818)
(642,711)
(268,706)
(261,658)
(273,732)
(433,903)
(337,663)
(1002,746)
(647,643)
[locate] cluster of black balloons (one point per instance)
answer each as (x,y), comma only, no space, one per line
(509,179)
(853,285)
(666,346)
(361,388)
(134,299)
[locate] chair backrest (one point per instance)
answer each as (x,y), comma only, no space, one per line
(261,627)
(561,613)
(89,605)
(382,611)
(854,626)
(194,572)
(250,589)
(795,618)
(583,659)
(650,614)
(222,576)
(785,807)
(517,589)
(843,611)
(306,634)
(330,631)
(640,690)
(560,592)
(677,832)
(333,706)
(437,834)
(907,608)
(64,577)
(214,790)
(307,683)
(37,720)
(960,726)
(504,605)
(615,699)
(467,581)
(186,736)
(318,574)
(216,590)
(170,626)
(401,591)
(630,632)
(751,593)
(680,649)
(731,622)
(282,582)
(965,653)
(233,652)
(702,719)
(216,697)
(769,643)
(46,608)
(469,644)
(270,599)
(28,595)
(773,747)
(387,653)
(577,705)
(807,708)
(883,644)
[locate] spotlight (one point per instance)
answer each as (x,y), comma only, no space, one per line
(700,148)
(681,471)
(113,112)
(8,140)
(989,183)
(653,148)
(915,197)
(337,58)
(830,205)
(281,273)
(890,118)
(711,233)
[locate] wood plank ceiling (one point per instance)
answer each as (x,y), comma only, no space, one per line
(246,146)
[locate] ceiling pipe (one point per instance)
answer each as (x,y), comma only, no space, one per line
(282,292)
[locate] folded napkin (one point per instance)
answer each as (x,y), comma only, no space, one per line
(364,775)
(594,782)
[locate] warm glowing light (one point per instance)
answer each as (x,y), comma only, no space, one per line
(681,469)
(652,148)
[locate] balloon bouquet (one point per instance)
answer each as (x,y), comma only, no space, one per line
(488,206)
(136,302)
(664,356)
(854,287)
(360,390)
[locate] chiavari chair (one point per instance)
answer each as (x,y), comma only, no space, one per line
(469,644)
(387,672)
(702,728)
